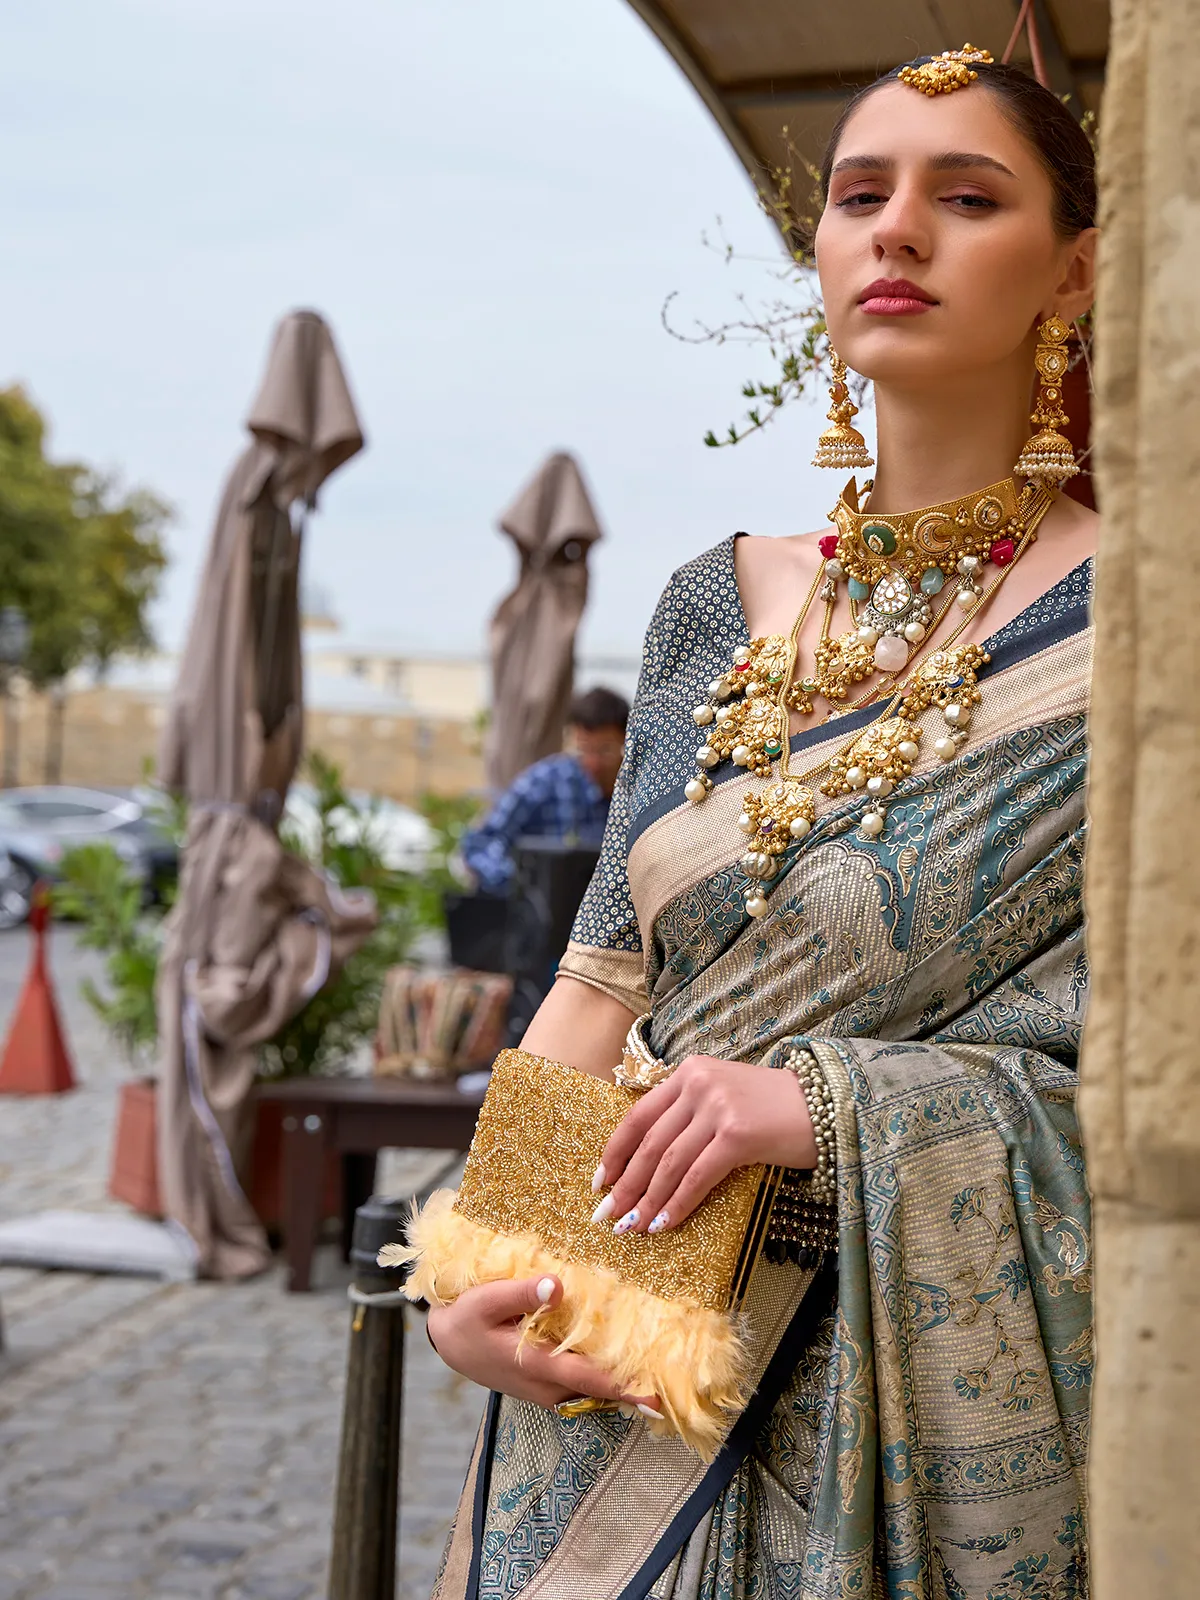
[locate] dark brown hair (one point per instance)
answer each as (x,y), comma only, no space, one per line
(598,708)
(1063,148)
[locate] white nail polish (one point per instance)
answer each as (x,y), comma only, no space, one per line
(649,1411)
(604,1210)
(545,1289)
(626,1222)
(661,1221)
(598,1179)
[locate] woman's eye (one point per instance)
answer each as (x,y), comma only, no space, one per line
(862,197)
(971,202)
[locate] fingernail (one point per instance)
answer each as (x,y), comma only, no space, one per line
(598,1179)
(545,1289)
(649,1411)
(604,1210)
(661,1221)
(626,1222)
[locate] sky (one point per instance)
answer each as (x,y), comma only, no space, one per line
(488,201)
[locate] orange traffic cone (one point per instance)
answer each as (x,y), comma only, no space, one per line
(35,1059)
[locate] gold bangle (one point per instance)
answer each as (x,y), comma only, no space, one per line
(639,1067)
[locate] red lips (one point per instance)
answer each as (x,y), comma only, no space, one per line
(894,297)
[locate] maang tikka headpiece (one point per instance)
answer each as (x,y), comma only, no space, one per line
(947,72)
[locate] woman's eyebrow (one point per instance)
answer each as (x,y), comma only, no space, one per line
(863,164)
(956,160)
(948,161)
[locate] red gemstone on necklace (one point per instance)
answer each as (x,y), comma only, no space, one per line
(741,666)
(827,544)
(1003,551)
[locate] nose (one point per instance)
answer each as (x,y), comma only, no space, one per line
(902,228)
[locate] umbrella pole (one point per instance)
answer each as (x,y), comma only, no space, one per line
(366,1507)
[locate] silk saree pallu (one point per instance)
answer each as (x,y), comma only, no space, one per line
(918,1422)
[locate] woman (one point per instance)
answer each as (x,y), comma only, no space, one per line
(918,1426)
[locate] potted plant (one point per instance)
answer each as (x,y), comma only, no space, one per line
(101,895)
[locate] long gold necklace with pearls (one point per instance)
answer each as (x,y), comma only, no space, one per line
(746,712)
(896,568)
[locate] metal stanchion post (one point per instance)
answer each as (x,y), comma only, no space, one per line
(365,1528)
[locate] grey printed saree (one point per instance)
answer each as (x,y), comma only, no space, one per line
(919,1423)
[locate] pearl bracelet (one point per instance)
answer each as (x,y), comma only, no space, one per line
(823,1116)
(804,1222)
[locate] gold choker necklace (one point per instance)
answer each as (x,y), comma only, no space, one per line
(896,568)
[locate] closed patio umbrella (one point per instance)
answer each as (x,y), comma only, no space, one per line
(553,526)
(255,932)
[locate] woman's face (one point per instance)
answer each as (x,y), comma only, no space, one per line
(936,251)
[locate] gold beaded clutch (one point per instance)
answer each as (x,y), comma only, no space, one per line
(657,1311)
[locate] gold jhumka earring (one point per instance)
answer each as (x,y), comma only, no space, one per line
(1048,459)
(841,446)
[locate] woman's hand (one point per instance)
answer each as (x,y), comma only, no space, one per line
(480,1333)
(682,1138)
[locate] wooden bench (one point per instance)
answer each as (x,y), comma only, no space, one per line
(354,1118)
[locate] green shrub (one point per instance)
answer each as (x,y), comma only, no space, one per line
(100,893)
(339,1019)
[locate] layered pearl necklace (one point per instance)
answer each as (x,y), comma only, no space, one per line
(896,569)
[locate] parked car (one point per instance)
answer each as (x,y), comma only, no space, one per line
(39,825)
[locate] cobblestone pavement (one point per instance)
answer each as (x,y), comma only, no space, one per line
(178,1442)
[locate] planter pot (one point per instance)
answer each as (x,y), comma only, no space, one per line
(133,1176)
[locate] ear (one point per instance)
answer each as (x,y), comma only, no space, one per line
(1076,291)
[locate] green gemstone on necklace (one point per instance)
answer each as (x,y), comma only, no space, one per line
(773,747)
(879,538)
(858,589)
(932,580)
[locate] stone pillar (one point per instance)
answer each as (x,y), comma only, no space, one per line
(1140,1097)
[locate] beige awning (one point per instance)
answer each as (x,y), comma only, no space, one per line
(761,66)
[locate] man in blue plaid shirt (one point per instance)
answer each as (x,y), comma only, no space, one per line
(562,797)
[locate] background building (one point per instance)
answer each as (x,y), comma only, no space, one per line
(396,722)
